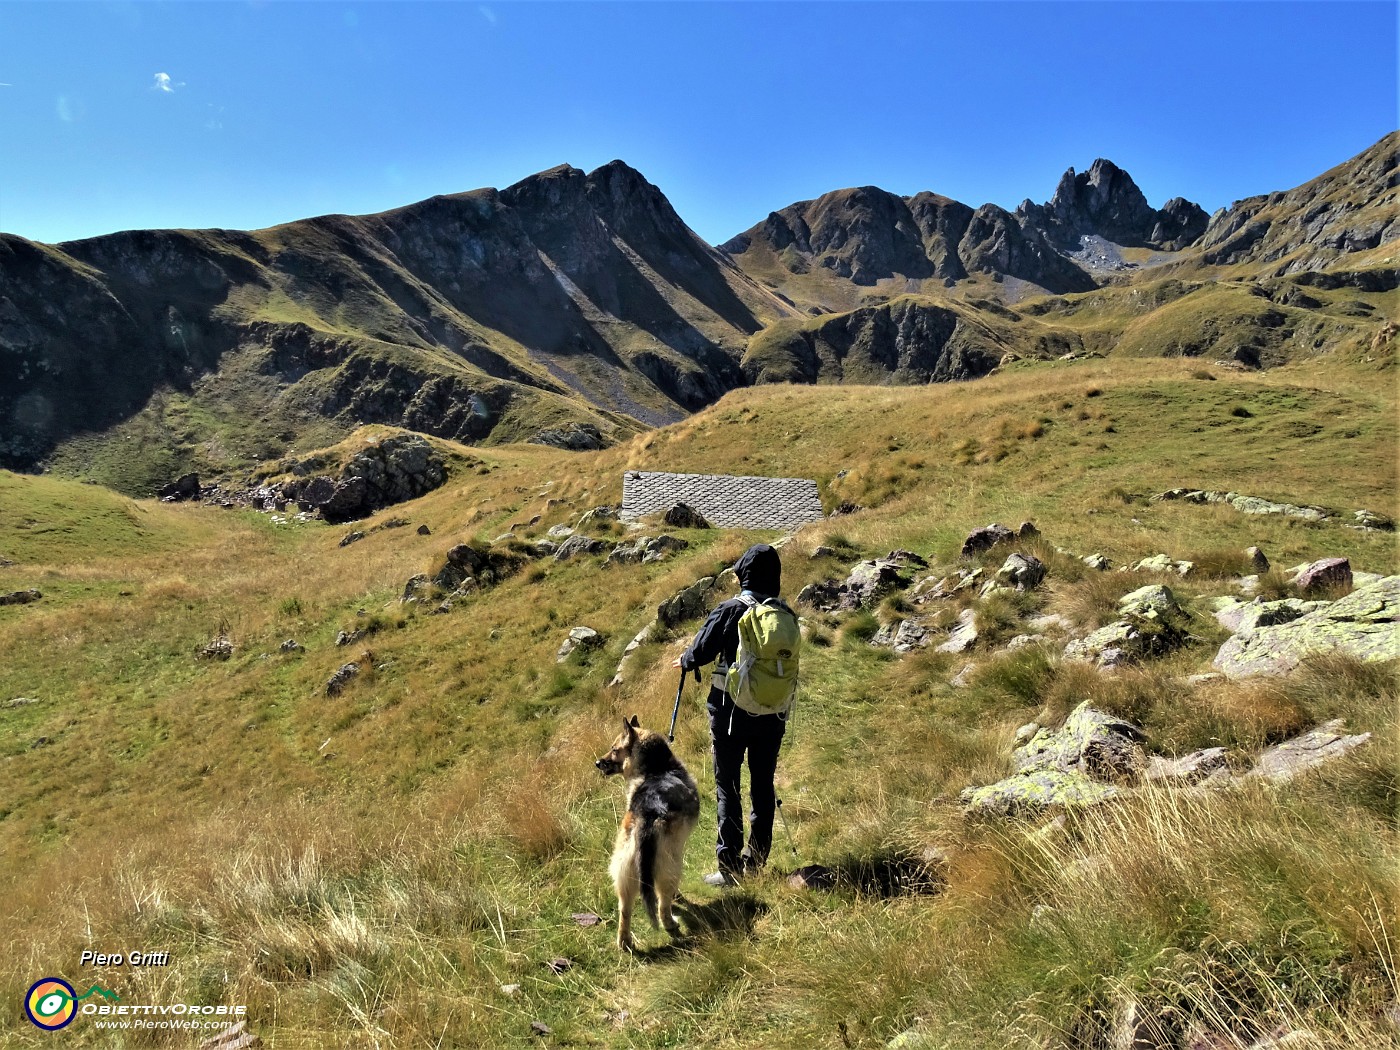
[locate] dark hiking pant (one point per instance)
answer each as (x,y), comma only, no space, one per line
(734,733)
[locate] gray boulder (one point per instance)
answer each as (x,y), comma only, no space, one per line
(687,604)
(646,549)
(985,538)
(962,637)
(904,636)
(870,581)
(1307,751)
(578,544)
(1024,572)
(1164,563)
(1151,624)
(1365,624)
(579,638)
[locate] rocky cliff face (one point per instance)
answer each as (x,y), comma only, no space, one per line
(867,235)
(1350,210)
(906,341)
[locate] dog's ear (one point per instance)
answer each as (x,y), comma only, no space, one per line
(628,730)
(635,723)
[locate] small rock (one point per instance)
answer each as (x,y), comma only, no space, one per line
(578,544)
(20,597)
(220,648)
(1097,561)
(596,516)
(346,637)
(510,989)
(586,918)
(1027,531)
(1025,732)
(686,604)
(1366,519)
(21,701)
(290,646)
(416,587)
(540,1028)
(579,638)
(963,636)
(1024,572)
(337,682)
(1164,563)
(963,677)
(823,552)
(560,965)
(351,537)
(1326,574)
(559,532)
(1207,764)
(423,530)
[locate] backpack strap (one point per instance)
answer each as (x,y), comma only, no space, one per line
(719,679)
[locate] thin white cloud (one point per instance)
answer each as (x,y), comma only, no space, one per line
(164,84)
(487,14)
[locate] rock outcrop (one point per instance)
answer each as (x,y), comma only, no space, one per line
(1365,625)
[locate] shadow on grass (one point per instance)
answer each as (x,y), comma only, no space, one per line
(732,915)
(894,874)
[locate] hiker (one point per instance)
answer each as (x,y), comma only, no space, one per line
(753,725)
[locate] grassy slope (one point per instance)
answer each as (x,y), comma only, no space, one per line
(378,865)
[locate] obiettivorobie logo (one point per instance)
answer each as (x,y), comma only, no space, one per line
(52,1003)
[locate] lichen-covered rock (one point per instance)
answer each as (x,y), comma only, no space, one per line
(870,581)
(1030,793)
(686,604)
(1210,764)
(1083,762)
(903,636)
(1243,617)
(1152,624)
(1024,572)
(824,595)
(1365,624)
(578,544)
(596,515)
(1306,751)
(1327,574)
(985,538)
(1164,563)
(1091,741)
(646,549)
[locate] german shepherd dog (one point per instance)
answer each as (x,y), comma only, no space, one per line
(663,806)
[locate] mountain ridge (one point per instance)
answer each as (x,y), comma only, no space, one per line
(573,297)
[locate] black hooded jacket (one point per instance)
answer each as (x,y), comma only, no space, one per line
(760,572)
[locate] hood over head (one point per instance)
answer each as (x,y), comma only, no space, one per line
(760,570)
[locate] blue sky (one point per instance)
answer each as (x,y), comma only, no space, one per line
(126,115)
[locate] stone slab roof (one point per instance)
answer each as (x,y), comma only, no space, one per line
(725,500)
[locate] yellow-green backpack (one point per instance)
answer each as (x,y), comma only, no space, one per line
(762,680)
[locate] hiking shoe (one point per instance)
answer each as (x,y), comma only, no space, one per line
(721,879)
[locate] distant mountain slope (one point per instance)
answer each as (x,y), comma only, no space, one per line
(578,307)
(487,315)
(1349,211)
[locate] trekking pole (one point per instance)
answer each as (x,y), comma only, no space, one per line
(786,831)
(671,736)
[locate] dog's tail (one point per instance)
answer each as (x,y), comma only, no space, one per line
(648,843)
